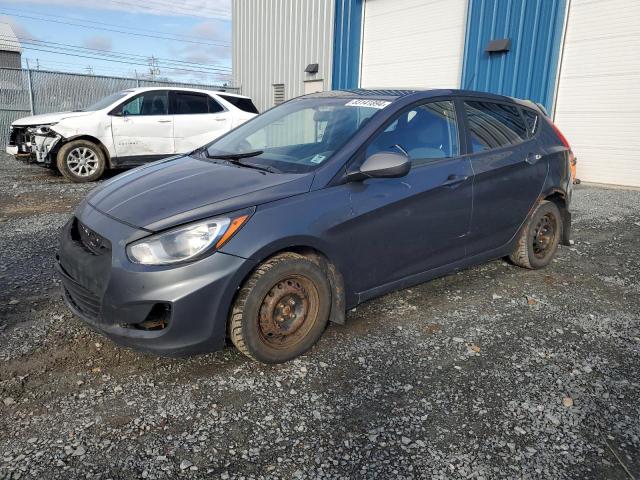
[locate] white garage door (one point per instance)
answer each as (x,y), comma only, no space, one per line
(598,101)
(413,43)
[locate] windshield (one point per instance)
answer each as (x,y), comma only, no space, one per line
(106,101)
(297,136)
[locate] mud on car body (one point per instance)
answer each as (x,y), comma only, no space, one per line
(127,128)
(317,205)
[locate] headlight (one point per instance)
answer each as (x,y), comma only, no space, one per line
(185,243)
(41,129)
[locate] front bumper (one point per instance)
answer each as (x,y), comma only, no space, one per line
(115,296)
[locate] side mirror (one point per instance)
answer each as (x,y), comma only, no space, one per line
(383,165)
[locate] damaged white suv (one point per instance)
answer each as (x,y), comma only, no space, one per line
(128,128)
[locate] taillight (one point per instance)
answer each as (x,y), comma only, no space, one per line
(565,142)
(562,138)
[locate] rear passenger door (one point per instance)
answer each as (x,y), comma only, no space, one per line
(197,119)
(509,172)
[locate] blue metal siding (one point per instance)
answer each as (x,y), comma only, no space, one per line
(528,69)
(346,44)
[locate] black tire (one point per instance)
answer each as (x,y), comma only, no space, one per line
(281,310)
(538,240)
(71,157)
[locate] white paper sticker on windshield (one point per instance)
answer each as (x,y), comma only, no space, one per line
(317,158)
(379,104)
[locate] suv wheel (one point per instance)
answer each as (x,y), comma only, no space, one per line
(81,161)
(538,241)
(281,310)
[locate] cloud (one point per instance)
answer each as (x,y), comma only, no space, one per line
(21,32)
(220,9)
(98,42)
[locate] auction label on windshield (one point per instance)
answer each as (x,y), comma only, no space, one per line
(379,104)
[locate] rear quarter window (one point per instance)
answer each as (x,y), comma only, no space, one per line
(244,104)
(532,120)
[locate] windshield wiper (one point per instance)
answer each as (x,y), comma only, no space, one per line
(236,156)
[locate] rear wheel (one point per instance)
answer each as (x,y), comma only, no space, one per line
(538,241)
(81,161)
(281,310)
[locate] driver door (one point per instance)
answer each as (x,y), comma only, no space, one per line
(142,127)
(405,226)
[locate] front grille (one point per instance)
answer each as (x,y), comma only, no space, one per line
(82,299)
(91,241)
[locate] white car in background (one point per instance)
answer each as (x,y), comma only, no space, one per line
(128,128)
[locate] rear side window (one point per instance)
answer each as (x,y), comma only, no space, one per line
(191,103)
(531,118)
(494,125)
(244,104)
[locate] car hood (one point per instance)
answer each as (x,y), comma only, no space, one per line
(183,189)
(48,118)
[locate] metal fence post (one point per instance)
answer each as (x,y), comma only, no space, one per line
(30,92)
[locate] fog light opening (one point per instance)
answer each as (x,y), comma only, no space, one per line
(158,318)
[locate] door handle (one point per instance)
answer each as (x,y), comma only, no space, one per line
(164,121)
(220,119)
(453,180)
(532,158)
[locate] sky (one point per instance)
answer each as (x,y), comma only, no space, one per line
(190,39)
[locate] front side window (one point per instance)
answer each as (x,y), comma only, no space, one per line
(297,136)
(425,133)
(148,103)
(494,125)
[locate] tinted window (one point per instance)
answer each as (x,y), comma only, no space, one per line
(214,107)
(148,103)
(191,103)
(531,119)
(426,132)
(494,125)
(244,104)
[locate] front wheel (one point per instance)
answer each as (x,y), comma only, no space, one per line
(81,161)
(281,310)
(538,241)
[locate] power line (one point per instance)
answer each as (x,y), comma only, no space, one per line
(154,6)
(50,20)
(181,69)
(115,54)
(47,15)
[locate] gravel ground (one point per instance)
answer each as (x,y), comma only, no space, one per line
(494,372)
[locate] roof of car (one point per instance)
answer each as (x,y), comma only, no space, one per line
(185,89)
(395,94)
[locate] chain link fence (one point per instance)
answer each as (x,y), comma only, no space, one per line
(32,92)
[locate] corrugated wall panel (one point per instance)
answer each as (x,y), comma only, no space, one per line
(274,41)
(346,45)
(598,100)
(528,69)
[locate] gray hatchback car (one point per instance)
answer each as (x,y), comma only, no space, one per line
(319,204)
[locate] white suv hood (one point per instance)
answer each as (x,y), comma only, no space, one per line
(48,118)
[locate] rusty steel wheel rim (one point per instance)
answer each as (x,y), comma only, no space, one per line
(544,235)
(288,311)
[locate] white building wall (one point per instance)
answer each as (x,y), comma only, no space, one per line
(275,40)
(598,98)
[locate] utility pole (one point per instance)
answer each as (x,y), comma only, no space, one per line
(89,70)
(153,67)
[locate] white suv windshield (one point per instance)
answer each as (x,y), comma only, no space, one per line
(105,102)
(297,136)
